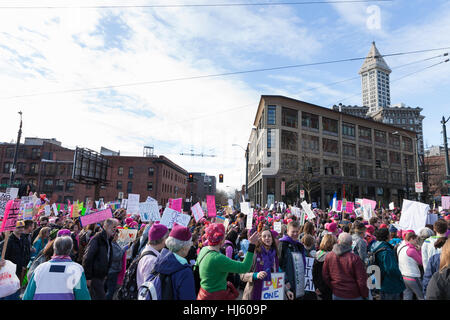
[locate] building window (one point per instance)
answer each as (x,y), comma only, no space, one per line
(21,167)
(130,173)
(330,125)
(381,155)
(289,117)
(119,185)
(270,141)
(407,144)
(349,150)
(70,186)
(365,133)
(10,153)
(394,140)
(396,176)
(149,186)
(349,169)
(365,153)
(366,172)
(348,130)
(34,168)
(61,169)
(310,120)
(380,136)
(310,143)
(330,146)
(289,161)
(48,185)
(271,115)
(6,167)
(394,157)
(289,140)
(130,187)
(381,174)
(59,185)
(151,171)
(312,164)
(331,168)
(120,171)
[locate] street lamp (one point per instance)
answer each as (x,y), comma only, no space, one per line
(246,167)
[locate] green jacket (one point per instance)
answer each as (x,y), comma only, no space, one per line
(391,277)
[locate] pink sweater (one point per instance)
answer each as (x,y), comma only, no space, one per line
(414,253)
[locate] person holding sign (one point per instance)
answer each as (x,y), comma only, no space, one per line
(214,268)
(292,261)
(265,262)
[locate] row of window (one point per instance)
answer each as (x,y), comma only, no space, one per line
(48,168)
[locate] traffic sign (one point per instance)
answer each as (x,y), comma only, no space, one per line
(302,194)
(419,187)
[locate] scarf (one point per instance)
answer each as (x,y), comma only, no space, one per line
(269,259)
(55,257)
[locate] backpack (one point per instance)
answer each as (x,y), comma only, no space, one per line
(157,287)
(372,255)
(129,289)
(196,271)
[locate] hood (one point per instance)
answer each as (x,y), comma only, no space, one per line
(340,249)
(167,263)
(290,240)
(379,244)
(321,255)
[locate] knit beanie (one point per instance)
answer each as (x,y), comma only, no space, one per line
(157,231)
(215,233)
(181,233)
(63,233)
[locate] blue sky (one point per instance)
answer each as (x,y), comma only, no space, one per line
(59,50)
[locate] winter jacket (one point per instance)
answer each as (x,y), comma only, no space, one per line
(409,259)
(97,258)
(439,286)
(359,247)
(391,277)
(15,252)
(38,246)
(26,239)
(345,273)
(116,258)
(182,277)
(432,267)
(325,291)
(429,250)
(292,262)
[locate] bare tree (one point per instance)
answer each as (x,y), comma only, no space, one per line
(304,178)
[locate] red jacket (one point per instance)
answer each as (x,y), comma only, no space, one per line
(345,273)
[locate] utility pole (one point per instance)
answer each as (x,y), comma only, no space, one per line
(13,169)
(406,176)
(447,164)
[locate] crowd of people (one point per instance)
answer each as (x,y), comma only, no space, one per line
(57,258)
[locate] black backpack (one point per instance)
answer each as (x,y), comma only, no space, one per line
(129,288)
(372,256)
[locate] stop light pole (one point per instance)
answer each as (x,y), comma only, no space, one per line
(13,169)
(447,164)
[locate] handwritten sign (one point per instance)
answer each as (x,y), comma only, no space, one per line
(307,207)
(309,284)
(96,217)
(176,204)
(133,203)
(171,216)
(391,206)
(13,192)
(372,203)
(211,205)
(126,236)
(197,212)
(149,211)
(349,207)
(4,198)
(55,209)
(277,226)
(274,289)
(249,221)
(11,215)
(47,210)
(124,203)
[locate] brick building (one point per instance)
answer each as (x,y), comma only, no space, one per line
(436,173)
(47,167)
(201,186)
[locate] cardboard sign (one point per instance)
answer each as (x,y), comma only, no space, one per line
(274,289)
(171,216)
(211,205)
(197,212)
(133,203)
(249,221)
(309,284)
(277,226)
(126,236)
(95,217)
(414,215)
(349,207)
(149,211)
(11,215)
(307,207)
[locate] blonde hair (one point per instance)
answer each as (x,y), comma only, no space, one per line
(445,256)
(41,234)
(327,243)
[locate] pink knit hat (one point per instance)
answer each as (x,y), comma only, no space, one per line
(331,227)
(370,229)
(181,233)
(157,231)
(215,233)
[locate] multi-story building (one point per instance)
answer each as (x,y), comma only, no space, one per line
(376,99)
(201,186)
(341,153)
(435,172)
(47,167)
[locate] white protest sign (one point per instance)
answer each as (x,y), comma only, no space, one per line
(13,192)
(432,218)
(391,206)
(245,207)
(296,211)
(309,284)
(274,289)
(124,203)
(249,221)
(197,212)
(271,206)
(47,210)
(307,207)
(126,236)
(277,226)
(171,216)
(226,223)
(149,211)
(414,215)
(230,202)
(367,211)
(133,203)
(359,212)
(55,209)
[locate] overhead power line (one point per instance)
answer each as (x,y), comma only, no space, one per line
(198,5)
(219,74)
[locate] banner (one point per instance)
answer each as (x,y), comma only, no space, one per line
(414,215)
(197,212)
(309,284)
(133,203)
(274,289)
(171,216)
(95,217)
(11,215)
(211,205)
(149,211)
(349,207)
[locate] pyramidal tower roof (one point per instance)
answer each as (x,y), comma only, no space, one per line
(374,60)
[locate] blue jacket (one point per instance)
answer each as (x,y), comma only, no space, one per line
(182,276)
(432,267)
(391,277)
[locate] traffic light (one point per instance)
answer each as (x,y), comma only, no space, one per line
(191,177)
(220,178)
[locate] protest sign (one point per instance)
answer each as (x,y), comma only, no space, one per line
(149,211)
(372,203)
(249,221)
(367,211)
(197,212)
(414,215)
(13,192)
(171,216)
(230,202)
(55,209)
(314,205)
(339,206)
(47,210)
(277,226)
(211,205)
(391,206)
(176,204)
(349,207)
(226,223)
(359,212)
(445,202)
(296,211)
(307,207)
(124,204)
(228,210)
(245,208)
(133,203)
(126,236)
(309,284)
(432,218)
(95,217)
(358,203)
(11,215)
(220,219)
(4,198)
(274,289)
